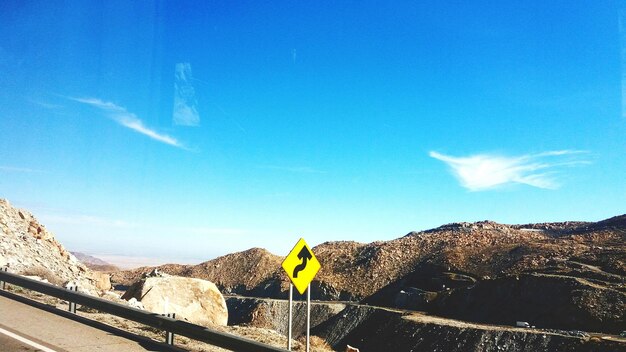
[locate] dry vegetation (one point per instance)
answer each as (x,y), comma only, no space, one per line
(44,274)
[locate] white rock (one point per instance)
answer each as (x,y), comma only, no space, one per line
(134,303)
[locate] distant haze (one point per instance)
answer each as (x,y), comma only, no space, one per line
(129,262)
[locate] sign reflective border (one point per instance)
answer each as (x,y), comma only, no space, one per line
(301,266)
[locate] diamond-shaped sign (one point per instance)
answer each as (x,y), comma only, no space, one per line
(301,265)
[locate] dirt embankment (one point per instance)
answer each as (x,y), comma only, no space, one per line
(376,329)
(380,329)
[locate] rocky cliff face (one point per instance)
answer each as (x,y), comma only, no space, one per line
(27,247)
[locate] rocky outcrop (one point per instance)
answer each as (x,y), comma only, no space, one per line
(195,300)
(27,247)
(101,280)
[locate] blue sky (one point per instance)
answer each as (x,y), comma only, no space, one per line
(187,130)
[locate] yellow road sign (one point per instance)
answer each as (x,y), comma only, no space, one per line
(301,265)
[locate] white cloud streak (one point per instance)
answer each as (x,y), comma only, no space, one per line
(46,105)
(129,120)
(294,169)
(118,224)
(483,172)
(87,220)
(18,169)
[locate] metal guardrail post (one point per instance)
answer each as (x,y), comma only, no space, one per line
(4,284)
(72,305)
(169,336)
(178,327)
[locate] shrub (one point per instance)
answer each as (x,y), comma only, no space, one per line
(317,343)
(44,274)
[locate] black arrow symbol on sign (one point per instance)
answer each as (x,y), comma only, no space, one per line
(305,255)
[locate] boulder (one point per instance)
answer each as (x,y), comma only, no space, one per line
(101,280)
(195,300)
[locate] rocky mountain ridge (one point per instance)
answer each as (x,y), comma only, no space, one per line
(94,263)
(443,267)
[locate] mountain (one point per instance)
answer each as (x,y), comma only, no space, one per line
(247,273)
(557,275)
(94,263)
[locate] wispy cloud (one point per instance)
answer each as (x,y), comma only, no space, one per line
(211,231)
(487,171)
(48,106)
(18,169)
(78,219)
(185,102)
(129,120)
(294,169)
(86,220)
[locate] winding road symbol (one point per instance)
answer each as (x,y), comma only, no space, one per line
(305,255)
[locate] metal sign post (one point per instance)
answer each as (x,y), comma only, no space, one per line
(301,266)
(290,315)
(308,316)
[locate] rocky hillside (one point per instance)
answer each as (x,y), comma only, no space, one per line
(27,247)
(584,264)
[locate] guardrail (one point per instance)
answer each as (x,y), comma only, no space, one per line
(178,327)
